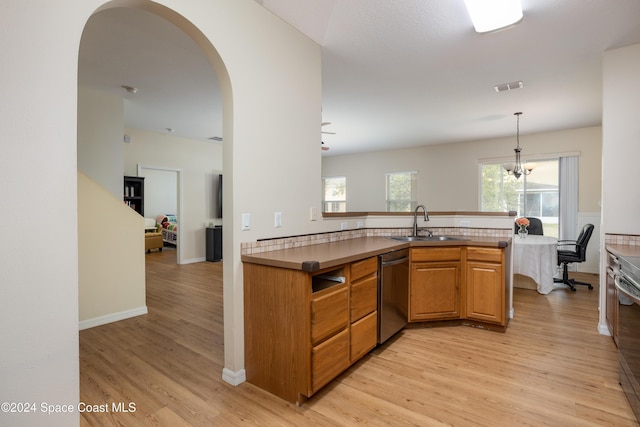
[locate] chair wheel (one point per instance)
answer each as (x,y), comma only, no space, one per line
(590,287)
(573,289)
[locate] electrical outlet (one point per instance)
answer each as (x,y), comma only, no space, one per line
(277,219)
(360,224)
(313,213)
(344,225)
(465,223)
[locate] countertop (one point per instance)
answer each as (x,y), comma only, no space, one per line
(623,250)
(326,255)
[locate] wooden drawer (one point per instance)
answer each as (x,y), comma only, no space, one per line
(329,312)
(363,268)
(435,254)
(364,336)
(484,254)
(364,297)
(329,359)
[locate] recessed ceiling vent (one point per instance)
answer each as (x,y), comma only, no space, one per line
(508,86)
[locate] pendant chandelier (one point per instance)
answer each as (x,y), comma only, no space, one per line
(517,169)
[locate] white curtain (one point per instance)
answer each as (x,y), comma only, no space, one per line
(568,198)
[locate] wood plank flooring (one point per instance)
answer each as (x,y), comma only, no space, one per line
(551,367)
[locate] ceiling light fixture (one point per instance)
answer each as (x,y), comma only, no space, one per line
(509,86)
(492,15)
(517,170)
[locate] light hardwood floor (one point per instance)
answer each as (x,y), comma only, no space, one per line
(551,367)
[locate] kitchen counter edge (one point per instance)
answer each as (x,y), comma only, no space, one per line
(621,250)
(321,256)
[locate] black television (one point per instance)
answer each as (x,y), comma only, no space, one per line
(219,197)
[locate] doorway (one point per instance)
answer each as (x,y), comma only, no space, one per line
(163,197)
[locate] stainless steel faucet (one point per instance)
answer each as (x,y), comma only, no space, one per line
(415,218)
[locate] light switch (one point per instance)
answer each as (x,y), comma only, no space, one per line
(246,221)
(277,219)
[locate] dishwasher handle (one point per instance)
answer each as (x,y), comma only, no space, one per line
(395,261)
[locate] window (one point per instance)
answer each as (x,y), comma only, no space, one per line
(532,195)
(402,191)
(334,194)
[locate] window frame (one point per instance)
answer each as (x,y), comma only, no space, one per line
(413,197)
(522,205)
(336,202)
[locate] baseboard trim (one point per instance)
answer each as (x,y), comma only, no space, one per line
(234,378)
(113,317)
(603,329)
(193,260)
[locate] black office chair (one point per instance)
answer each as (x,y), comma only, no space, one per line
(578,254)
(535,226)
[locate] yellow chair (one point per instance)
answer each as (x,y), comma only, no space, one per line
(152,235)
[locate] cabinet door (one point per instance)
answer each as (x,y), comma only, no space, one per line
(364,335)
(485,294)
(435,291)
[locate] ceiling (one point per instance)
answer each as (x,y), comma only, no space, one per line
(395,74)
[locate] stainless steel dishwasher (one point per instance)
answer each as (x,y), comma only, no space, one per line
(393,293)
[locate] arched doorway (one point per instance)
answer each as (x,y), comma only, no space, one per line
(208,51)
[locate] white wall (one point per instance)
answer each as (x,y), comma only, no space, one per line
(160,192)
(621,140)
(448,174)
(100,134)
(38,189)
(199,163)
(620,151)
(111,283)
(270,80)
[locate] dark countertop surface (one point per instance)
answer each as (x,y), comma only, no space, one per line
(326,255)
(623,250)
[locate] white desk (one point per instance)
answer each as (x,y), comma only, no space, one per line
(536,257)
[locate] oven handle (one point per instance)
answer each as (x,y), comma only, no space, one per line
(395,261)
(624,290)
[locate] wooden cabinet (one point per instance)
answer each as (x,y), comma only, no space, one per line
(612,296)
(303,329)
(435,277)
(364,307)
(329,312)
(133,193)
(485,296)
(466,283)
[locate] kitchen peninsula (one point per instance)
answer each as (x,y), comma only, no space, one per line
(311,312)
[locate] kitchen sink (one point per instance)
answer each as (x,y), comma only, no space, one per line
(425,238)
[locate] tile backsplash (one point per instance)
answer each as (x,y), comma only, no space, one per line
(622,239)
(266,245)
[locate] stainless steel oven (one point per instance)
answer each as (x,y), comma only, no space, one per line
(628,329)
